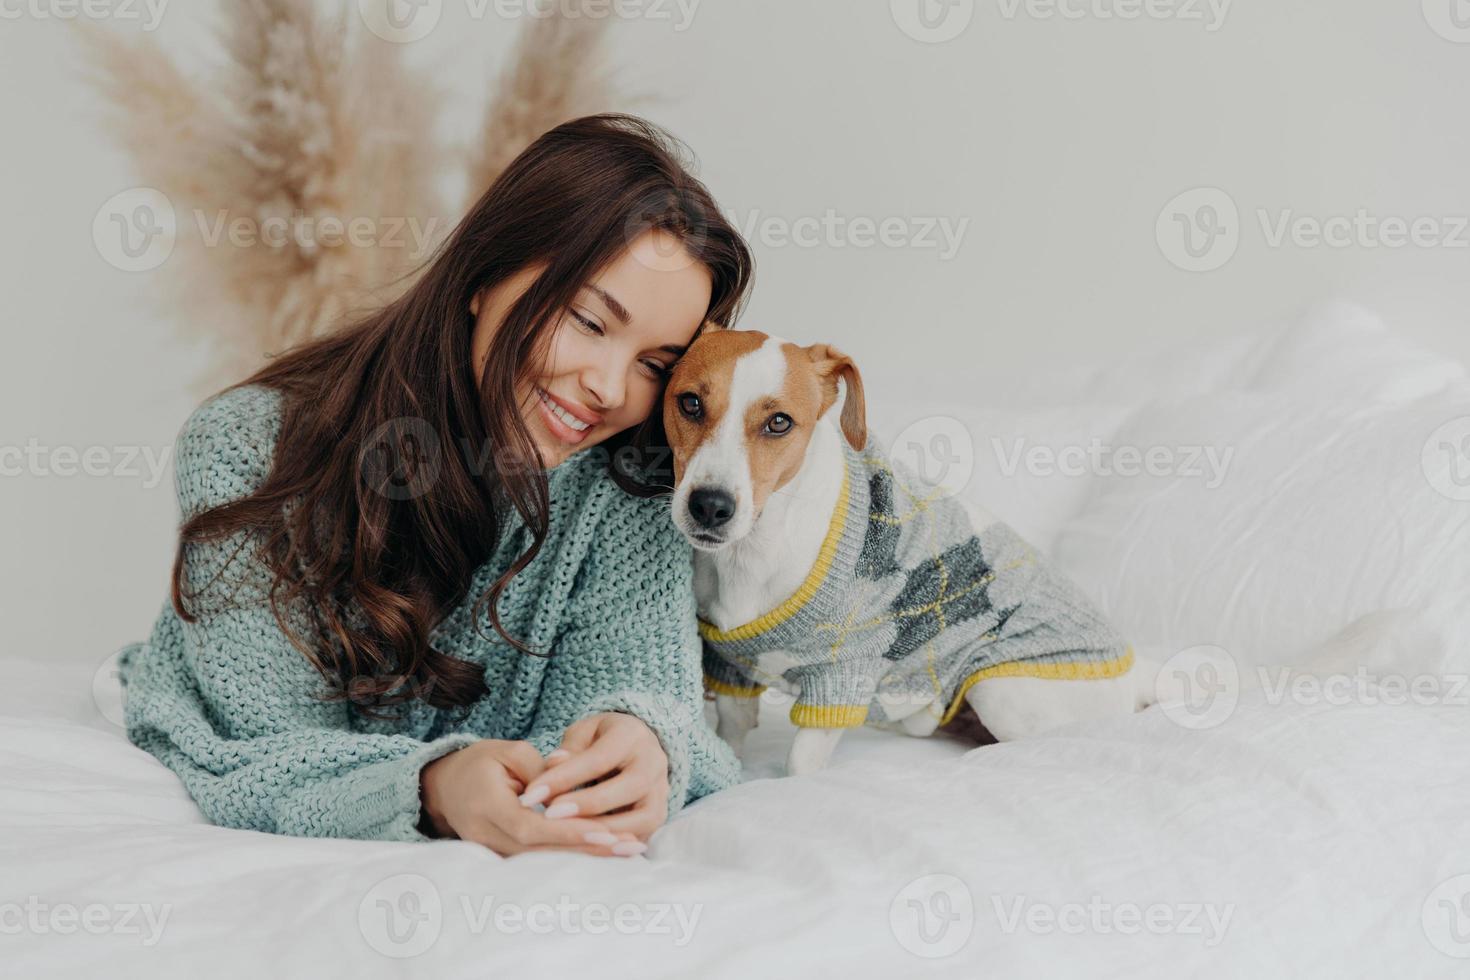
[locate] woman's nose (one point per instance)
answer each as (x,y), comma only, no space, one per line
(604,383)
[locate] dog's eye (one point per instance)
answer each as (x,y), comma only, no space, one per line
(778,424)
(689,405)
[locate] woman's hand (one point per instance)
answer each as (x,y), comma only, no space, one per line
(635,799)
(471,794)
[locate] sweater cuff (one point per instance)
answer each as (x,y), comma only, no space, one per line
(833,696)
(389,804)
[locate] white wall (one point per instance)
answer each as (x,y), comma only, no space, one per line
(1058,141)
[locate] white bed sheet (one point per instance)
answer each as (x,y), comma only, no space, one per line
(1316,835)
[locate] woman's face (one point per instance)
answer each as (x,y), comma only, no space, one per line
(609,352)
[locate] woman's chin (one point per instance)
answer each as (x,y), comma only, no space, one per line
(553,452)
(550,453)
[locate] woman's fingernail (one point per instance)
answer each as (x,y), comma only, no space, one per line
(558,754)
(628,848)
(599,837)
(533,796)
(562,808)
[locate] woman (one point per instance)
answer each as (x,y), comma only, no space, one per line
(324,666)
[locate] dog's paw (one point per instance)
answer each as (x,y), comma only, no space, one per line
(811,750)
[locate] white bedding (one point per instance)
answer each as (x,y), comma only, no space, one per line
(1288,836)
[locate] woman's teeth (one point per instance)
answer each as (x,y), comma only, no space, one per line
(572,422)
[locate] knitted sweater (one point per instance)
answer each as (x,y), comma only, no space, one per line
(915,596)
(226,702)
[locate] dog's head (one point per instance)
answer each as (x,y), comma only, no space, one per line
(740,410)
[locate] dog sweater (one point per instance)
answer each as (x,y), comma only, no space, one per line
(915,596)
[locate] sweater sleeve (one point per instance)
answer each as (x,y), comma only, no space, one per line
(227,703)
(630,643)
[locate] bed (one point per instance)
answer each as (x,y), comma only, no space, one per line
(1304,812)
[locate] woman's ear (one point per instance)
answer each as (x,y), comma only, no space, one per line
(832,364)
(475,304)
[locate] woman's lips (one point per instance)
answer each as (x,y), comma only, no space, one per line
(558,426)
(582,413)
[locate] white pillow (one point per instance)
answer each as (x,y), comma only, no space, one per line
(1338,350)
(1329,509)
(1335,350)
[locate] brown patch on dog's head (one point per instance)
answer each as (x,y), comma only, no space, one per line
(706,371)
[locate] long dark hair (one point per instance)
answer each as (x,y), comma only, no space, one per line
(378,570)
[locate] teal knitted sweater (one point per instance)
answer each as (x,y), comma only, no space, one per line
(227,702)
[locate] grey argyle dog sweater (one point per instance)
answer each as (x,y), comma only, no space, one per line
(907,606)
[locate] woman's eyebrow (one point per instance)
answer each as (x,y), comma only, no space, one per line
(619,310)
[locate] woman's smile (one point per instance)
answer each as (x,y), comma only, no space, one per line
(568,421)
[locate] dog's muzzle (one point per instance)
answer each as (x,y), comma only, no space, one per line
(711,508)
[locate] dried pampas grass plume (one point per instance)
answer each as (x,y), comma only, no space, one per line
(302,172)
(555,72)
(151,109)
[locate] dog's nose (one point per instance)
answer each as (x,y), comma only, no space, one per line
(710,507)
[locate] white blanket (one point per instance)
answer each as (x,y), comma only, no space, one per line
(1291,830)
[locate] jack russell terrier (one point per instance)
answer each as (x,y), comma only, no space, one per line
(832,572)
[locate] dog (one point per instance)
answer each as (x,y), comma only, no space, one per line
(827,569)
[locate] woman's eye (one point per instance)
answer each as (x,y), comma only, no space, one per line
(656,369)
(689,405)
(591,327)
(778,424)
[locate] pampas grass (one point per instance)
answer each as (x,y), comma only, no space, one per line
(555,72)
(302,170)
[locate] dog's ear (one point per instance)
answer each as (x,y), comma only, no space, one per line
(710,326)
(832,364)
